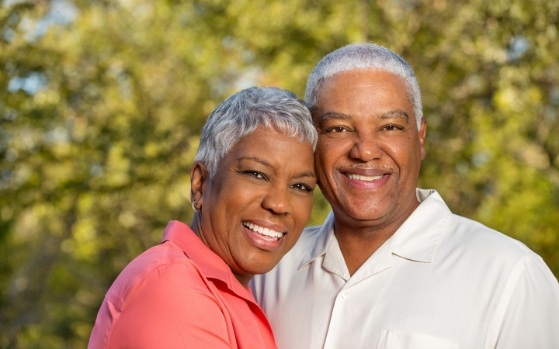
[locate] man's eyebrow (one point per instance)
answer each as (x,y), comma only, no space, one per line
(333,116)
(395,114)
(392,114)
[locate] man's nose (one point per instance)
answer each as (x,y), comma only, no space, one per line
(366,148)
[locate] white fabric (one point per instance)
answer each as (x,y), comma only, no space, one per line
(441,281)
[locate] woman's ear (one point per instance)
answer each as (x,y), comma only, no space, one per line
(198,182)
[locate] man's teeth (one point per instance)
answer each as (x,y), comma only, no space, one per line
(363,178)
(263,231)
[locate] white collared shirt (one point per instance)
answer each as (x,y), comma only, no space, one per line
(441,281)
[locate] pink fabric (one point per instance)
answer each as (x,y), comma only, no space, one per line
(179,294)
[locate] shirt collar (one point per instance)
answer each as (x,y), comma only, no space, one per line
(324,238)
(421,234)
(417,239)
(211,265)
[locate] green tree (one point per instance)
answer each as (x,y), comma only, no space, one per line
(102,101)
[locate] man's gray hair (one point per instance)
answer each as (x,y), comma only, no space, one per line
(241,113)
(364,56)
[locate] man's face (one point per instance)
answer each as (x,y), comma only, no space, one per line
(369,150)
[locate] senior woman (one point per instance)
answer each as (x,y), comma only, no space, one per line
(251,190)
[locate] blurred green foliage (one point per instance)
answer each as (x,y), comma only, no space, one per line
(101,103)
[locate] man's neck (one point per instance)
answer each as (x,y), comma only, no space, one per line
(357,248)
(358,240)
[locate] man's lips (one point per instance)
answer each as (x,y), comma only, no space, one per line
(377,171)
(363,178)
(366,174)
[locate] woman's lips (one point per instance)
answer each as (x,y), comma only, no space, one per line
(264,238)
(263,231)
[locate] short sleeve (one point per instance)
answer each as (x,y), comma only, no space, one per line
(530,308)
(171,308)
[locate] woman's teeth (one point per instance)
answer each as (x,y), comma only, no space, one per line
(263,231)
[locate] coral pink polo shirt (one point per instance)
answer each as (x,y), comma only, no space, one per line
(179,294)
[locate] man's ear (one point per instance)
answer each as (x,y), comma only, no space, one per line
(422,133)
(199,177)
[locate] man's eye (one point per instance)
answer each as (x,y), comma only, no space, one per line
(336,129)
(392,127)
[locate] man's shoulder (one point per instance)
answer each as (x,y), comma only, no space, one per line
(302,251)
(307,241)
(467,234)
(311,231)
(479,239)
(304,244)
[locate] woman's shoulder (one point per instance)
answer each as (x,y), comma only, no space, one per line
(160,265)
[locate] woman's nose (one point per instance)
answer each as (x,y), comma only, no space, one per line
(276,200)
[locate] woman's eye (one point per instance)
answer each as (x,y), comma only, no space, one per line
(303,187)
(255,174)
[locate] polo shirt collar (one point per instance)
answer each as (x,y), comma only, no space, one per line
(417,239)
(211,265)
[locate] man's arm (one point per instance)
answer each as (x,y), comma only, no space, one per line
(528,316)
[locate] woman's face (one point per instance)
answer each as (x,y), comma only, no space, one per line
(259,201)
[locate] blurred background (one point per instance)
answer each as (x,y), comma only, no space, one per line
(101,104)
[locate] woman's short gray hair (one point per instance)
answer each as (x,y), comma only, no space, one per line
(364,56)
(241,113)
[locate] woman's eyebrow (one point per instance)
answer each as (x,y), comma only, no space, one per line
(256,159)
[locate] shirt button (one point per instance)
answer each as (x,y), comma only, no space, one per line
(345,294)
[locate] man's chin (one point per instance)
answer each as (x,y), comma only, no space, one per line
(358,215)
